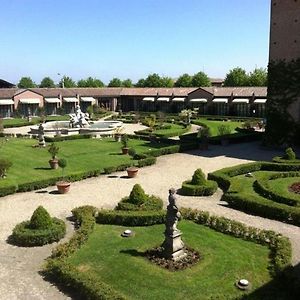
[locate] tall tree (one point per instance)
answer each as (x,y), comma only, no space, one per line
(200,79)
(47,82)
(167,81)
(258,77)
(115,82)
(67,82)
(140,83)
(90,82)
(153,80)
(127,83)
(185,80)
(26,83)
(236,77)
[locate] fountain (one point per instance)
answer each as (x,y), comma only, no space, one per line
(79,119)
(79,123)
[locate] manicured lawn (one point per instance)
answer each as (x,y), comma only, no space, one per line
(119,262)
(31,164)
(16,122)
(169,131)
(213,125)
(281,185)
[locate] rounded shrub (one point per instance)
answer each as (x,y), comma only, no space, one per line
(290,154)
(40,219)
(137,195)
(41,229)
(198,177)
(138,200)
(199,186)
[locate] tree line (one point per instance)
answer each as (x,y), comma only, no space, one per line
(235,77)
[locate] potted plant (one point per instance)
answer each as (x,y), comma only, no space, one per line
(53,150)
(124,141)
(62,185)
(132,172)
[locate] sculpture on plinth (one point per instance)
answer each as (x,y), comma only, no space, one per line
(173,245)
(79,119)
(41,136)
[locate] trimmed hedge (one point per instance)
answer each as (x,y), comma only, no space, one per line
(138,200)
(178,132)
(131,218)
(206,189)
(283,160)
(262,188)
(280,246)
(86,285)
(254,203)
(67,138)
(24,235)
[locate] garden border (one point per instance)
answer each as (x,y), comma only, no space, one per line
(91,287)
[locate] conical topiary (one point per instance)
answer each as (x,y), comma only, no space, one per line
(290,154)
(198,178)
(40,219)
(137,195)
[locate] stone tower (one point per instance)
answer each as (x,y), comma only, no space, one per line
(283,106)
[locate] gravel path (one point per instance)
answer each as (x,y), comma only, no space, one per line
(19,278)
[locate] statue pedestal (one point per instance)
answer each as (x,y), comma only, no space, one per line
(173,246)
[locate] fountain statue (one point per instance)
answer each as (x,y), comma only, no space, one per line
(79,119)
(173,245)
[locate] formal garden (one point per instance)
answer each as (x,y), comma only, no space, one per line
(122,253)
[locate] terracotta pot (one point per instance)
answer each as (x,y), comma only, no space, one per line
(125,150)
(63,186)
(53,163)
(132,172)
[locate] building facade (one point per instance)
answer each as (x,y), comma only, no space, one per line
(283,112)
(244,102)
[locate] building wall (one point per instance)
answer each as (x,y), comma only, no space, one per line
(285,30)
(28,95)
(284,73)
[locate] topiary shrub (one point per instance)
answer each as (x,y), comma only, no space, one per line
(290,154)
(198,177)
(137,195)
(41,229)
(139,200)
(198,186)
(40,219)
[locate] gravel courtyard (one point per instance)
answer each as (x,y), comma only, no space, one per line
(19,277)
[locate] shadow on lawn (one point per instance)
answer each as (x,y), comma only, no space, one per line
(284,286)
(43,168)
(133,252)
(249,151)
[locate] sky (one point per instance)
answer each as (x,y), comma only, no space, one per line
(132,38)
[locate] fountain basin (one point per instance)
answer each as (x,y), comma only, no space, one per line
(63,127)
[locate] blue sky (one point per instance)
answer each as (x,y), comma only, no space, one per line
(132,38)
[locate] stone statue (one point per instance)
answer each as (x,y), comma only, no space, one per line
(41,136)
(173,245)
(78,119)
(173,215)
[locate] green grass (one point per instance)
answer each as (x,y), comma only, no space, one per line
(17,122)
(31,164)
(119,263)
(244,185)
(213,125)
(174,130)
(281,185)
